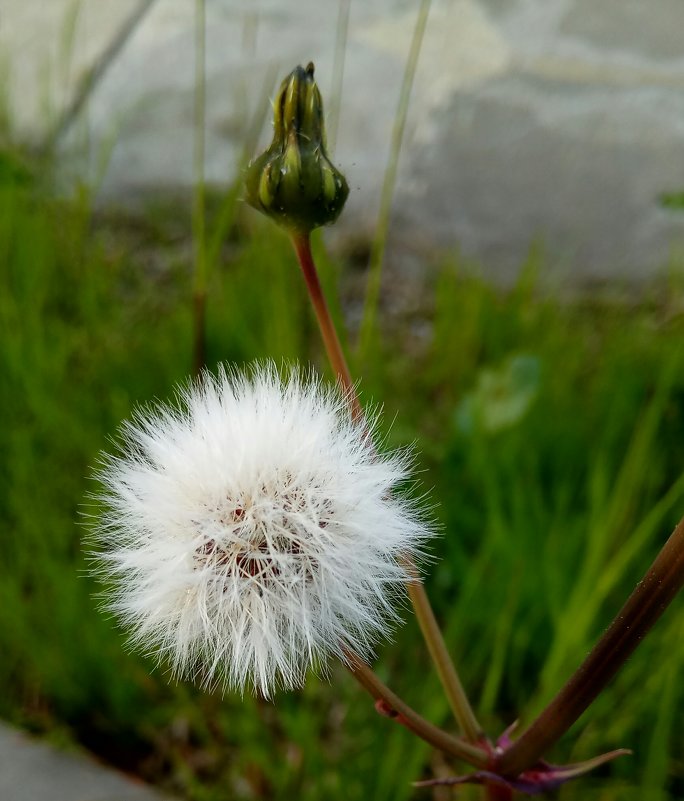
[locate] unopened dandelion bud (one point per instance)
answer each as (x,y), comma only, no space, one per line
(294,181)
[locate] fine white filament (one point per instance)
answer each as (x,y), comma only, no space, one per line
(252,530)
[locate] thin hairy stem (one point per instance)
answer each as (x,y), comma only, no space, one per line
(643,608)
(496,792)
(458,700)
(426,618)
(390,705)
(333,347)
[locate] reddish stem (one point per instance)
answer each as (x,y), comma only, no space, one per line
(643,608)
(497,792)
(302,246)
(426,619)
(390,705)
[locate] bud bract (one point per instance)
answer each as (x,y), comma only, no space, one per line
(293,181)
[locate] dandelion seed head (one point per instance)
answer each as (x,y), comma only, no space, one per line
(251,531)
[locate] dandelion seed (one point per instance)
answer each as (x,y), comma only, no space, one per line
(251,532)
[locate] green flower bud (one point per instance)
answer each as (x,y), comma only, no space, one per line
(294,182)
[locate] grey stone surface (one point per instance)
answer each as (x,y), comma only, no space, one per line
(559,123)
(33,771)
(47,49)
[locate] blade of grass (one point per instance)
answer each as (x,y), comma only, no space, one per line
(199,290)
(387,193)
(615,514)
(341,32)
(94,75)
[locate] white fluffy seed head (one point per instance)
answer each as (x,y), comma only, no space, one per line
(251,530)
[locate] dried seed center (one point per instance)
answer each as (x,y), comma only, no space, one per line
(266,538)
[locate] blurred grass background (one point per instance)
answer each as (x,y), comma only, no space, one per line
(549,431)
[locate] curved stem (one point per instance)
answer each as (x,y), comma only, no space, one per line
(390,705)
(458,700)
(495,792)
(446,670)
(302,246)
(643,608)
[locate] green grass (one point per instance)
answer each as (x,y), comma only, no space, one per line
(549,435)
